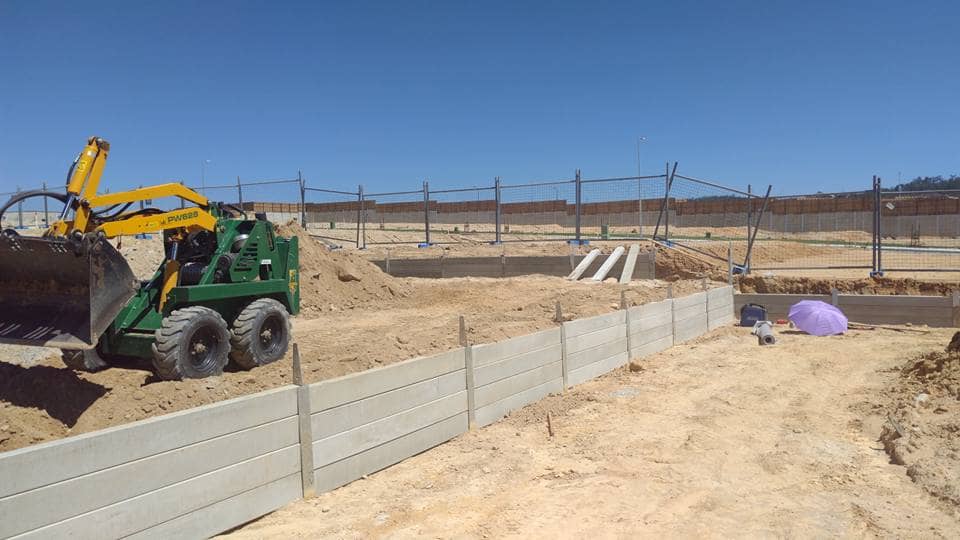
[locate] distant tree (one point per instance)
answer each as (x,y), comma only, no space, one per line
(930,183)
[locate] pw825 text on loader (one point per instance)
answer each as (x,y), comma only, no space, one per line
(224,291)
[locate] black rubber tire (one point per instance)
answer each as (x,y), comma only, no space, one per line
(87,360)
(260,334)
(191,343)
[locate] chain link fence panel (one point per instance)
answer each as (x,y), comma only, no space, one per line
(463,215)
(821,231)
(620,208)
(539,211)
(920,231)
(709,219)
(280,199)
(394,218)
(334,215)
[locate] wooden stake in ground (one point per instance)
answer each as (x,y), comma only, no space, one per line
(549,425)
(558,316)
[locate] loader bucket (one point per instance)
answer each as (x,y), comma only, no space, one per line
(54,295)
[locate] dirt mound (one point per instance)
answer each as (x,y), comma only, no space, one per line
(924,429)
(800,285)
(332,280)
(673,264)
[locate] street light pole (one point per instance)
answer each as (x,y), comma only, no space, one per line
(203,175)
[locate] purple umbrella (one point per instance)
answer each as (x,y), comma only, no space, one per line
(818,318)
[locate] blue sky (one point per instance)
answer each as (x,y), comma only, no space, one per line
(804,95)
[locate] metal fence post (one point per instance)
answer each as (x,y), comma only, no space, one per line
(749,208)
(46,217)
(19,211)
(496,189)
(578,186)
(666,205)
(239,192)
(426,212)
(877,229)
(303,200)
(873,239)
(639,206)
(360,217)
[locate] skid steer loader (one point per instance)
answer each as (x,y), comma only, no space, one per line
(224,292)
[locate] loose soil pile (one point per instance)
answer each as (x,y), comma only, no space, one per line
(332,280)
(924,428)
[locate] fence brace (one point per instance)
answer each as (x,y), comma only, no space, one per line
(303,200)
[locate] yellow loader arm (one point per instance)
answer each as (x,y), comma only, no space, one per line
(82,193)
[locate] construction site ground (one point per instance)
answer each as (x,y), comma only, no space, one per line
(354,317)
(715,438)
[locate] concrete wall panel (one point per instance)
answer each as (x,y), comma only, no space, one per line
(343,472)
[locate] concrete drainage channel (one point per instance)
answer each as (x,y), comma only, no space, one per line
(202,471)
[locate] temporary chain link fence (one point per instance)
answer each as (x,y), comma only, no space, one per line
(830,231)
(873,230)
(399,217)
(709,219)
(919,230)
(539,211)
(620,208)
(333,215)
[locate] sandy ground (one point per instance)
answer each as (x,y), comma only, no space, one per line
(716,438)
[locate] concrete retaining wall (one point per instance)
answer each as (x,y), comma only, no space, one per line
(510,374)
(367,421)
(937,311)
(689,317)
(188,474)
(203,471)
(594,346)
(650,328)
(719,307)
(450,267)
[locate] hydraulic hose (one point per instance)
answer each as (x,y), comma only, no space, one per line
(19,197)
